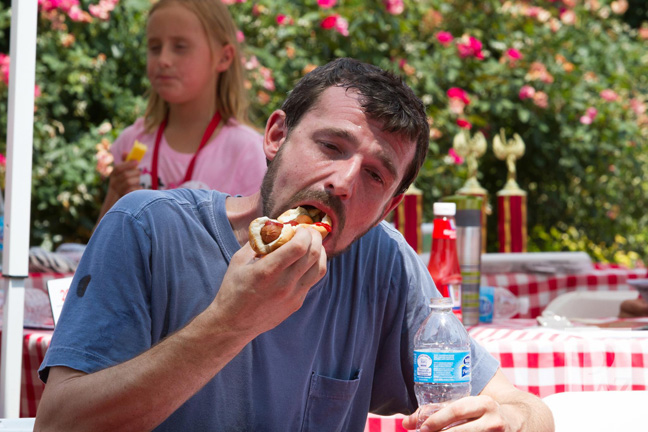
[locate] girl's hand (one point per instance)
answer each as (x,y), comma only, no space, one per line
(125,178)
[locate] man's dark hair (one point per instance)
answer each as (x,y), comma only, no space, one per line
(383,96)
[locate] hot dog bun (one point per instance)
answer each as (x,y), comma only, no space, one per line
(266,235)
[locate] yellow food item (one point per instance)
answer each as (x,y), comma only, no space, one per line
(137,152)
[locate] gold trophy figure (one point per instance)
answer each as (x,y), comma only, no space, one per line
(470,148)
(509,151)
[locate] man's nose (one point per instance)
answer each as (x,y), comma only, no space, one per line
(342,182)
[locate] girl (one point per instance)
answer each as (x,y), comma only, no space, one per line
(193,122)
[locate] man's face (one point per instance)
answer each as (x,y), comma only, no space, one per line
(340,161)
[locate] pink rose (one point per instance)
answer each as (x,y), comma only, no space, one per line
(589,116)
(342,26)
(541,99)
(637,106)
(619,7)
(458,160)
(337,23)
(470,48)
(568,17)
(103,9)
(457,93)
(513,54)
(526,92)
(4,67)
(283,20)
(326,4)
(643,33)
(268,80)
(609,95)
(240,37)
(329,22)
(444,38)
(394,7)
(463,123)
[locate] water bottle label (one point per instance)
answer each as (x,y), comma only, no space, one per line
(486,304)
(441,366)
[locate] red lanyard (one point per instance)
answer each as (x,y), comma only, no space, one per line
(213,124)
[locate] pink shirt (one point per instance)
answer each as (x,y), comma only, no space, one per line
(232,162)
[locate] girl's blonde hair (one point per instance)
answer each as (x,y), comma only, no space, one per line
(231,96)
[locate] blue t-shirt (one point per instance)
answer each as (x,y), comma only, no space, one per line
(157,260)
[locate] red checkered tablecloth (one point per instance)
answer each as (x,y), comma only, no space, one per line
(35,343)
(546,361)
(540,288)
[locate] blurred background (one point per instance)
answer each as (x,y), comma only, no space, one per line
(570,77)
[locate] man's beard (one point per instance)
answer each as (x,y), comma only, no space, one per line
(331,201)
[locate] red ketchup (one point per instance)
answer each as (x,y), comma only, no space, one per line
(444,263)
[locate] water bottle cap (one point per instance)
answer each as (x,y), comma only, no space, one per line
(441,303)
(445,208)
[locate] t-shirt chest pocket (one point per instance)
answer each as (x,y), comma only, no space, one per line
(329,402)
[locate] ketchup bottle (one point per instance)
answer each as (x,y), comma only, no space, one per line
(444,263)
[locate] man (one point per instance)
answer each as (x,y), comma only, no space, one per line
(172,322)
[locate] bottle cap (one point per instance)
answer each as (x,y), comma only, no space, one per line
(445,208)
(441,303)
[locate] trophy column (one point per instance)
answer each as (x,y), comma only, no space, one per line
(511,199)
(472,148)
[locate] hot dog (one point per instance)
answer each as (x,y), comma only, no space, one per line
(266,235)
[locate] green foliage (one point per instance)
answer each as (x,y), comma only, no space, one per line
(88,74)
(586,182)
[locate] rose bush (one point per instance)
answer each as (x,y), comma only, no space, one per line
(569,76)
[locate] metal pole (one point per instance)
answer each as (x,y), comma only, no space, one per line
(20,130)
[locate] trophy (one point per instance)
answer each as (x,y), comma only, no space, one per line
(472,148)
(408,217)
(511,199)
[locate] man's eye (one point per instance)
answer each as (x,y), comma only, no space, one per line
(375,176)
(331,147)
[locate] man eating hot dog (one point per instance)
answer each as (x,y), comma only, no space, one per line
(178,324)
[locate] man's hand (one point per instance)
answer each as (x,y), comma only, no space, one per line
(634,308)
(499,407)
(257,294)
(476,413)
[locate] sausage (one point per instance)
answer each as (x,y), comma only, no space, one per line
(266,235)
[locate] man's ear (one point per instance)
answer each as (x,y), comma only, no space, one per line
(227,56)
(392,205)
(275,134)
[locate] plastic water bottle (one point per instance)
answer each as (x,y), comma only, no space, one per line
(441,360)
(497,303)
(444,263)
